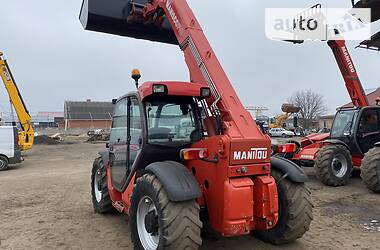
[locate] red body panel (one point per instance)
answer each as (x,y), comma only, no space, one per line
(308,152)
(174,89)
(126,196)
(266,202)
(249,151)
(357,160)
(114,194)
(229,192)
(313,138)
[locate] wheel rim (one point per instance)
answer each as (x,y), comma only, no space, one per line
(339,165)
(97,191)
(2,164)
(145,208)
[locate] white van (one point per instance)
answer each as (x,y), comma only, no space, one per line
(9,149)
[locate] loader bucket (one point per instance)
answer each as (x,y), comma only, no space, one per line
(374,5)
(123,17)
(290,108)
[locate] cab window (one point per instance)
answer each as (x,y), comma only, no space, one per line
(170,123)
(136,128)
(119,123)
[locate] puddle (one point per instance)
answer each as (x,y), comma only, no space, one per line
(365,216)
(373,226)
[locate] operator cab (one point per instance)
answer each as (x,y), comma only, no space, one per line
(359,128)
(153,125)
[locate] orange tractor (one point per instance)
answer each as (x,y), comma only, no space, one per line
(185,154)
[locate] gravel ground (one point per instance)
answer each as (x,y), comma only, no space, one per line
(45,204)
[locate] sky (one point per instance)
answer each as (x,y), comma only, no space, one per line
(54,59)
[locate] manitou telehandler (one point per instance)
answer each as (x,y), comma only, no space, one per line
(26,134)
(183,154)
(354,138)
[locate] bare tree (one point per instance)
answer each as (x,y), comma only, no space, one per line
(311,103)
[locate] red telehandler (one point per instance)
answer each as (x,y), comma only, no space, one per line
(354,137)
(186,154)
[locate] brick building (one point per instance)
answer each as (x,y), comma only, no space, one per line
(371,98)
(325,121)
(87,114)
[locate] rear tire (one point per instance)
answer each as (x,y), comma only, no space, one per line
(333,165)
(158,223)
(3,163)
(101,200)
(295,212)
(370,170)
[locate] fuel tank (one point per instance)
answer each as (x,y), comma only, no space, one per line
(124,18)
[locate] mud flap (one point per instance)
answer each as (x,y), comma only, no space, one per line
(290,170)
(178,182)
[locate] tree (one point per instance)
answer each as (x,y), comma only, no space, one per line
(312,105)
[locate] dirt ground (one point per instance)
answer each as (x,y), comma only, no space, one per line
(45,204)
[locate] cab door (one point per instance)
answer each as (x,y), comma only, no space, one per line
(125,140)
(368,128)
(134,133)
(118,143)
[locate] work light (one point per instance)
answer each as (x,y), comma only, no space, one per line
(159,89)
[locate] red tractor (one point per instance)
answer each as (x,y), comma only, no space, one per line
(354,138)
(185,154)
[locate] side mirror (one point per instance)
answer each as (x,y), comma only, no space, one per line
(107,145)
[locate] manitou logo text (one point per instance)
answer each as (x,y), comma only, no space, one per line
(173,15)
(6,74)
(348,59)
(253,154)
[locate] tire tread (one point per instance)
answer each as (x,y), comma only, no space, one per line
(322,165)
(182,226)
(105,205)
(370,170)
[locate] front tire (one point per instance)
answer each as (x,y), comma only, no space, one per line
(101,199)
(295,212)
(333,165)
(158,223)
(370,170)
(3,163)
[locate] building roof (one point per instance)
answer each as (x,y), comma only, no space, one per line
(371,98)
(88,110)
